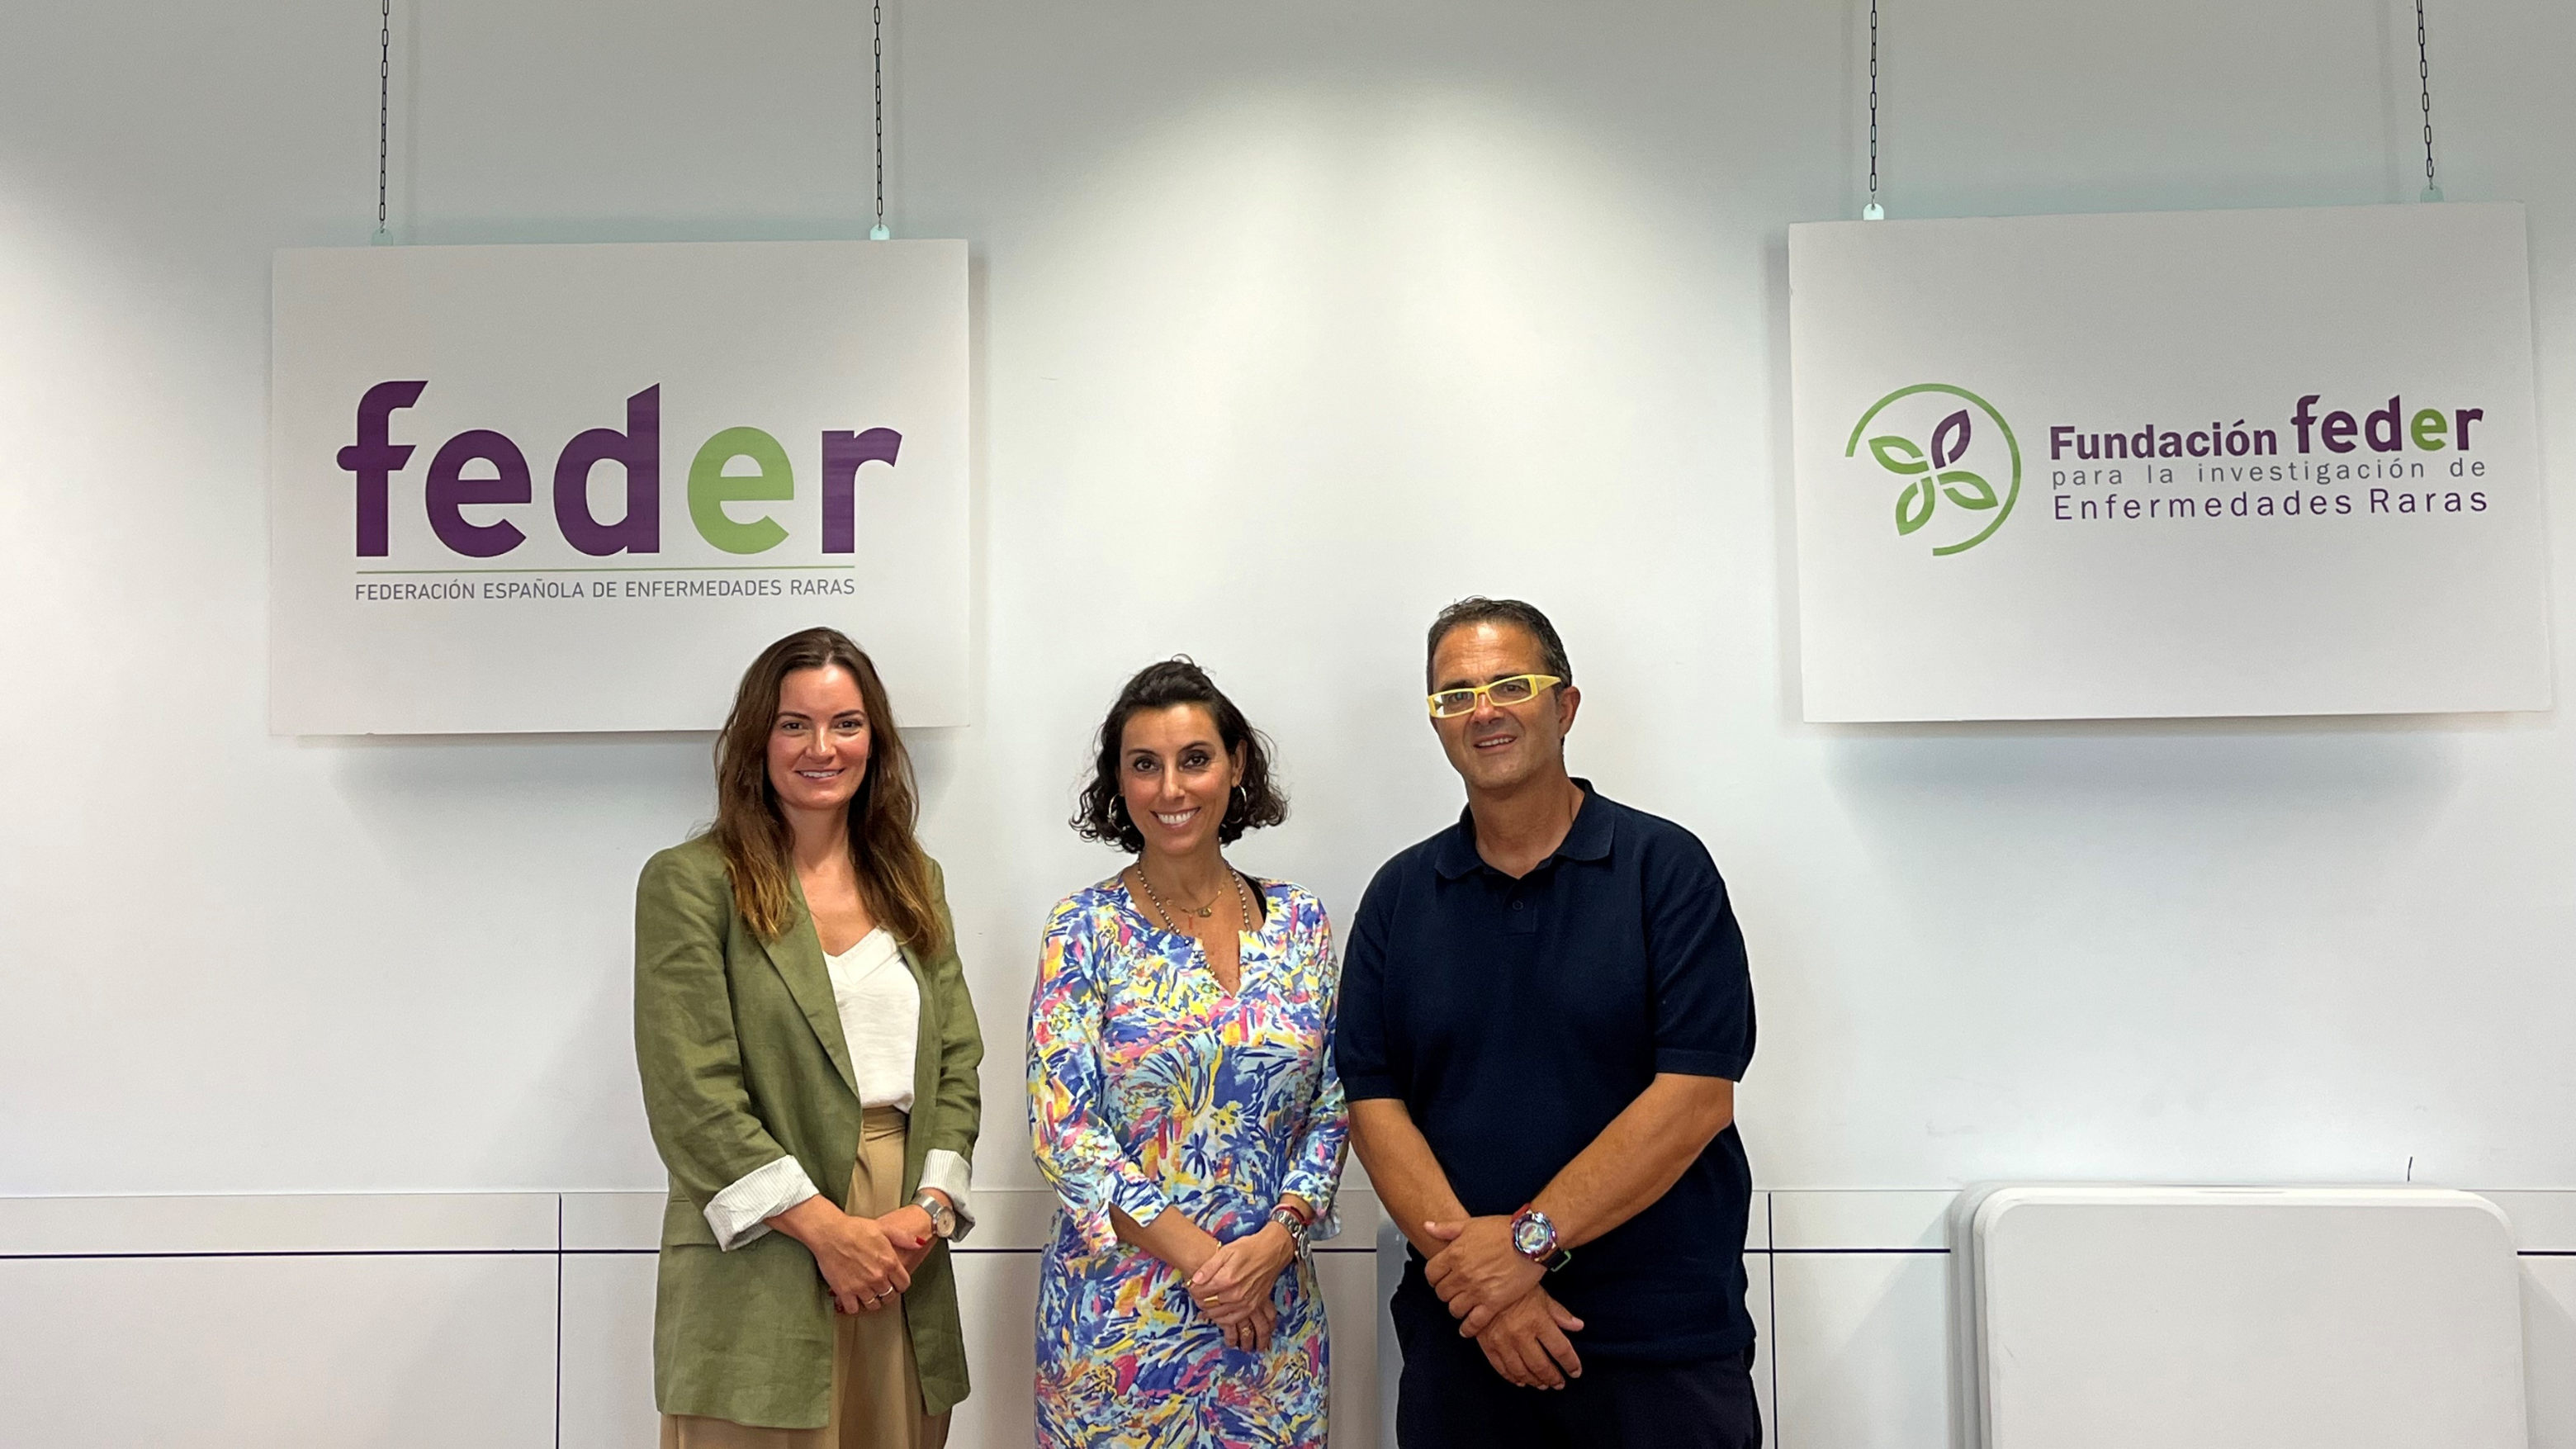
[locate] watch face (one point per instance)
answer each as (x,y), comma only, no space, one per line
(1532,1237)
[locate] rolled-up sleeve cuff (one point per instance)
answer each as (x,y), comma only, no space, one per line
(1368,1085)
(1685,1062)
(954,1175)
(739,1214)
(1136,1195)
(1088,1199)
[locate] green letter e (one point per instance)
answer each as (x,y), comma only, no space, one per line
(710,489)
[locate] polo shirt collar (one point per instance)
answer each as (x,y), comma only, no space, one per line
(1588,839)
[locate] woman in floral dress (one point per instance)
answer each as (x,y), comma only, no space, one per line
(1183,1101)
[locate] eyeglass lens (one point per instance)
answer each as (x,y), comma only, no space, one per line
(1516,690)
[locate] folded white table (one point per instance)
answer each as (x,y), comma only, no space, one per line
(2341,1318)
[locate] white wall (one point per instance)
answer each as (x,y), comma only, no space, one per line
(394,1321)
(1293,323)
(525,1319)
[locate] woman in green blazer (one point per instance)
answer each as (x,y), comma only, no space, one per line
(808,1053)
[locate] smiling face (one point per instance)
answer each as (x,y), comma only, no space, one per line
(1498,748)
(1176,778)
(818,744)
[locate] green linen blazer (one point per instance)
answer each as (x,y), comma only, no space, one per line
(739,1045)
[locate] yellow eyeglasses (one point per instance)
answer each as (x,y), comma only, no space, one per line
(1516,689)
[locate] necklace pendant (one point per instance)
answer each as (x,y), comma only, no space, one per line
(1206,911)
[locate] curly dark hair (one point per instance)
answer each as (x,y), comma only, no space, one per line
(1257,802)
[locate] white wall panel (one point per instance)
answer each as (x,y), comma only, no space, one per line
(2549,1349)
(280,1223)
(1349,1281)
(1852,1311)
(595,1221)
(608,1351)
(2543,1222)
(1863,1359)
(997,1295)
(396,1351)
(1874,1218)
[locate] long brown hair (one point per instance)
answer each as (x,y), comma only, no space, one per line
(894,874)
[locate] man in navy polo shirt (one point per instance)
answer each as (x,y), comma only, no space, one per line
(1544,1013)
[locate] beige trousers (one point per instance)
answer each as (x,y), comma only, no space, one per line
(876,1390)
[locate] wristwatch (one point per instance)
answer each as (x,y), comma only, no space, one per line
(1293,1220)
(1534,1238)
(943,1218)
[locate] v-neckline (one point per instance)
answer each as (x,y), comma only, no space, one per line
(1207,968)
(856,968)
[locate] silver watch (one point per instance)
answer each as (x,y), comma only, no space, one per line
(943,1218)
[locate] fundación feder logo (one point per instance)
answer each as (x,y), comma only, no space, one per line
(1951,474)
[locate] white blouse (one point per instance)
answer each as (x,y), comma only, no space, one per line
(880,1017)
(880,1010)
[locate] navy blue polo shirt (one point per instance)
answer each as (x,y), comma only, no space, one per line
(1515,1018)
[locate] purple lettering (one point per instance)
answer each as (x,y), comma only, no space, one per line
(450,491)
(374,457)
(843,453)
(2304,418)
(2383,439)
(639,451)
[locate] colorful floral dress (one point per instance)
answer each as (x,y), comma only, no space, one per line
(1151,1089)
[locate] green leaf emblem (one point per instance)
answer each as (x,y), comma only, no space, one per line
(1910,517)
(1967,489)
(1898,455)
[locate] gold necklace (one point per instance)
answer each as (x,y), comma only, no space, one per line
(1242,904)
(1200,911)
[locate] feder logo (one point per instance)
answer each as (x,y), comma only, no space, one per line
(374,457)
(1934,476)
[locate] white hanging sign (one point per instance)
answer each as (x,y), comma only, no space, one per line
(2203,463)
(579,487)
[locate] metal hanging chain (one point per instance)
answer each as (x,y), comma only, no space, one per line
(2424,76)
(1873,211)
(384,102)
(879,232)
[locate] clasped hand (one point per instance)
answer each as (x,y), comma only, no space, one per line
(1495,1293)
(1233,1284)
(868,1262)
(1480,1273)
